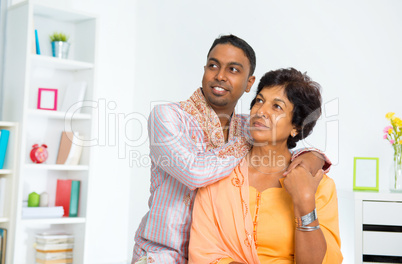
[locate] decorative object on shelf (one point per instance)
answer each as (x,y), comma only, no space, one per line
(365,174)
(47,99)
(37,42)
(4,135)
(393,134)
(33,199)
(38,153)
(70,148)
(68,196)
(74,97)
(60,46)
(44,199)
(54,248)
(3,246)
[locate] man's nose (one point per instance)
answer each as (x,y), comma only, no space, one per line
(221,75)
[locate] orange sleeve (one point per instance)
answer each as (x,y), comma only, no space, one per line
(327,211)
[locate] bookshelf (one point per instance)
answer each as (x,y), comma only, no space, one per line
(25,72)
(9,173)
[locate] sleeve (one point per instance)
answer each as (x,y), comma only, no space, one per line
(296,153)
(173,150)
(327,211)
(205,245)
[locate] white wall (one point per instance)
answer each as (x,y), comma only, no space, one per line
(352,48)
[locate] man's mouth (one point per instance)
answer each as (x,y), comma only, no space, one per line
(218,90)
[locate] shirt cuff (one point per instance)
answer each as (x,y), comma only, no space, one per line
(327,164)
(225,261)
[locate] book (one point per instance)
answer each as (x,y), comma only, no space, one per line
(74,155)
(3,182)
(37,42)
(74,200)
(63,195)
(42,212)
(54,238)
(74,97)
(68,196)
(3,238)
(70,149)
(64,147)
(55,261)
(4,135)
(53,247)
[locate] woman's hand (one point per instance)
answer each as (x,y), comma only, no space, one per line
(302,186)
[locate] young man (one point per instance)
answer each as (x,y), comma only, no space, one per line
(195,143)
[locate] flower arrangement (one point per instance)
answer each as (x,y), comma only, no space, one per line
(393,133)
(58,37)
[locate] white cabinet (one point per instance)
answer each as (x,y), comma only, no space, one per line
(9,173)
(25,72)
(378,226)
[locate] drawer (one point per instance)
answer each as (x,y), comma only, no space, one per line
(382,213)
(382,243)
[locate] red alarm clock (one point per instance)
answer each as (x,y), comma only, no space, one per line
(39,153)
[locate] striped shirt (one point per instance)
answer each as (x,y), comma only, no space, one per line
(188,151)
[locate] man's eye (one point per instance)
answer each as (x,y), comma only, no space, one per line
(212,65)
(234,69)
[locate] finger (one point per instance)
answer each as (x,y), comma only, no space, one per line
(319,175)
(292,165)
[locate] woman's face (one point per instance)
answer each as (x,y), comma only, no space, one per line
(271,116)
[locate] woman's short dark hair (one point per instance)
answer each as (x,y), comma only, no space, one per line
(302,92)
(238,43)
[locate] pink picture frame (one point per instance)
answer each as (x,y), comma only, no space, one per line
(47,99)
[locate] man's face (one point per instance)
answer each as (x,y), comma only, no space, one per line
(226,77)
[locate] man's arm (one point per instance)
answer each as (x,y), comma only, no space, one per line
(311,159)
(173,150)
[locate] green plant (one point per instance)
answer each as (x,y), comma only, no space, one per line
(59,37)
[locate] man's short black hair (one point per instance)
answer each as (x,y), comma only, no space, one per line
(239,43)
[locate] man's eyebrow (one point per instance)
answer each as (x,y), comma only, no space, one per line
(230,63)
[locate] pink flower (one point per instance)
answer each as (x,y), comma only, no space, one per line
(392,141)
(385,136)
(386,129)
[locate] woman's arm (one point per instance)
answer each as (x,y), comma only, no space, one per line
(310,246)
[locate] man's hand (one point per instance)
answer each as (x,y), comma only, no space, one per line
(312,161)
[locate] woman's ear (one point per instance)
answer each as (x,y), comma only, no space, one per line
(294,132)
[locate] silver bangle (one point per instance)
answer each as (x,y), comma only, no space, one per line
(308,228)
(307,219)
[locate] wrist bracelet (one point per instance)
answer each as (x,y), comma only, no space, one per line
(308,228)
(307,219)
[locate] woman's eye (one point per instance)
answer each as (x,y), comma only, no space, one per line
(276,106)
(259,100)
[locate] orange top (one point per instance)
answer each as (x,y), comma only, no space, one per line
(234,222)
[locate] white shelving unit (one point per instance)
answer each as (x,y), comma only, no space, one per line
(9,172)
(25,72)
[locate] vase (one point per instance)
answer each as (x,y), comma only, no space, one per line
(396,180)
(60,49)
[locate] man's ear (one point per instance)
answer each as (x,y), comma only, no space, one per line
(250,83)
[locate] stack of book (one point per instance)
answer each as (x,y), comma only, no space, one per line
(54,248)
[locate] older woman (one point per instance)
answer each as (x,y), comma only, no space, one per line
(257,215)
